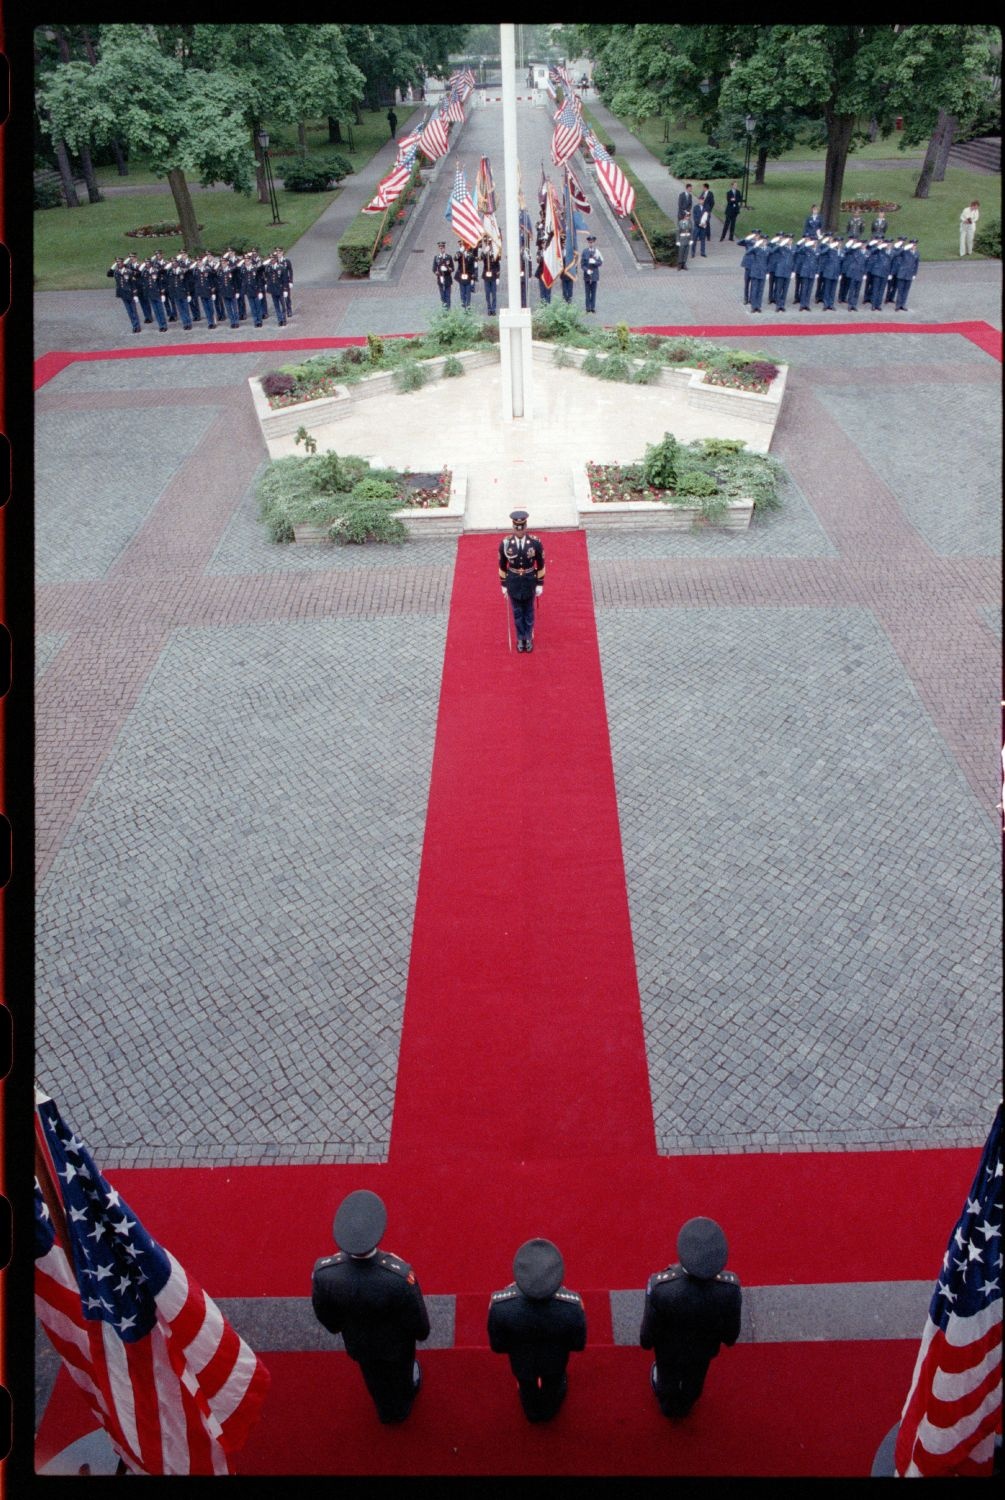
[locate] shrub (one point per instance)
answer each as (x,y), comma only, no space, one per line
(409,378)
(314,174)
(701,162)
(375,348)
(562,359)
(367,515)
(988,239)
(664,246)
(659,467)
(623,336)
(450,329)
(452,368)
(716,447)
(47,194)
(696,482)
(554,322)
(277,384)
(354,355)
(356,259)
(647,373)
(614,367)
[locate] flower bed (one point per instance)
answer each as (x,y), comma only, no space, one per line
(163,231)
(869,205)
(710,482)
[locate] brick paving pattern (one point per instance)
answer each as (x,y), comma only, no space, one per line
(234,742)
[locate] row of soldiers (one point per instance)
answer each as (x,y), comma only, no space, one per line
(826,268)
(185,290)
(463,268)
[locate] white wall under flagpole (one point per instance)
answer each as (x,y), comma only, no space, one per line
(514,320)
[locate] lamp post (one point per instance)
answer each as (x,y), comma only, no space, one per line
(749,125)
(263,142)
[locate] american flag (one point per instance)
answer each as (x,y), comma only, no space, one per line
(454,109)
(953,1409)
(165,1374)
(463,214)
(434,141)
(462,81)
(406,142)
(568,134)
(391,187)
(617,189)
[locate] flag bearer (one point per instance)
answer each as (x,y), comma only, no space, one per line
(490,275)
(537,1321)
(521,572)
(691,1308)
(590,262)
(443,270)
(466,273)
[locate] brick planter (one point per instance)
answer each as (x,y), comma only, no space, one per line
(434,520)
(649,515)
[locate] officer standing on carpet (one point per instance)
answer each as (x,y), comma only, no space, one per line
(521,572)
(537,1321)
(373,1300)
(691,1308)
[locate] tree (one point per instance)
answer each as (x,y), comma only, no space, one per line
(392,57)
(183,119)
(946,95)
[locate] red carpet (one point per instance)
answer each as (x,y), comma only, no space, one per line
(767,1409)
(522,1037)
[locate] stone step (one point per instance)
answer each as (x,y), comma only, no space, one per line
(497,487)
(985,154)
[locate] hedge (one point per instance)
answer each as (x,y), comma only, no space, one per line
(314,174)
(701,162)
(356,246)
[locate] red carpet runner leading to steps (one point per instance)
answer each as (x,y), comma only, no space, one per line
(522,1036)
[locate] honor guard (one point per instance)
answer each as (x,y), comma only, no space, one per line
(691,1309)
(373,1300)
(490,275)
(538,1322)
(590,262)
(466,273)
(443,270)
(814,225)
(124,290)
(521,572)
(683,241)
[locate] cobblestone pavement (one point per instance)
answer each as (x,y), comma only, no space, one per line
(234,744)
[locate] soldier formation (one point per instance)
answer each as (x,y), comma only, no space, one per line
(462,270)
(215,287)
(829,268)
(374,1301)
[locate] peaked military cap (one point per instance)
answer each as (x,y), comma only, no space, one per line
(538,1269)
(360,1222)
(591,237)
(702,1248)
(518,516)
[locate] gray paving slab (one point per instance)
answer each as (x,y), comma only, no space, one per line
(89,506)
(48,643)
(816,962)
(950,491)
(277,1323)
(178,372)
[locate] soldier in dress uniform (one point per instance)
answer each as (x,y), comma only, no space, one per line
(490,275)
(543,288)
(177,280)
(691,1308)
(852,271)
(124,290)
(683,241)
(814,225)
(756,262)
(905,269)
(443,270)
(590,262)
(272,272)
(521,572)
(152,283)
(537,1321)
(373,1300)
(804,264)
(466,273)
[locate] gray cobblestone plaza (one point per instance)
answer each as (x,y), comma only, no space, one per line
(234,744)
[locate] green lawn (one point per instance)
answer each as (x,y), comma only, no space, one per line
(75,247)
(783,202)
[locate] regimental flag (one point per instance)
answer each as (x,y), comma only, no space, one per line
(567,135)
(953,1409)
(551,251)
(391,187)
(571,222)
(164,1373)
(490,227)
(485,192)
(617,189)
(463,214)
(434,140)
(580,202)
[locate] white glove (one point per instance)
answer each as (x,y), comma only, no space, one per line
(539,590)
(503,588)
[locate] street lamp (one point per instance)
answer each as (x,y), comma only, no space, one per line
(749,125)
(263,142)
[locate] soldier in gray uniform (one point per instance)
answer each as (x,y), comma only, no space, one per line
(373,1300)
(537,1321)
(691,1308)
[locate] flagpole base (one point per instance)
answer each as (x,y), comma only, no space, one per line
(515,363)
(882,1464)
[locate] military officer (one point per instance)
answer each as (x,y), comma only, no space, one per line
(251,288)
(683,241)
(733,200)
(814,225)
(877,263)
(855,228)
(275,285)
(151,282)
(852,271)
(490,275)
(805,265)
(905,270)
(521,573)
(879,225)
(780,262)
(756,262)
(537,1321)
(177,281)
(590,262)
(466,273)
(443,270)
(746,241)
(691,1309)
(828,269)
(124,290)
(373,1300)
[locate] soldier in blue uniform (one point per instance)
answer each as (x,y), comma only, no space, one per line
(780,263)
(466,273)
(756,262)
(879,225)
(374,1301)
(490,275)
(178,291)
(124,290)
(287,269)
(443,270)
(814,225)
(804,263)
(251,288)
(891,286)
(590,262)
(733,200)
(150,280)
(746,241)
(538,1322)
(272,273)
(521,573)
(853,269)
(829,268)
(691,1309)
(877,263)
(906,271)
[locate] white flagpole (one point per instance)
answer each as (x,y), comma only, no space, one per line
(514,321)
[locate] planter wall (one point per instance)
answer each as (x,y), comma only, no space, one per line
(642,515)
(439,520)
